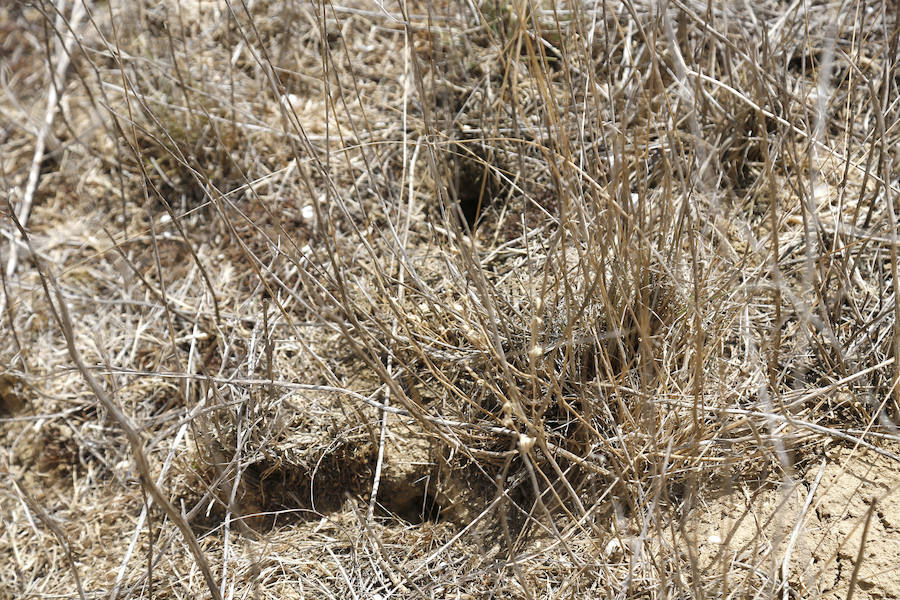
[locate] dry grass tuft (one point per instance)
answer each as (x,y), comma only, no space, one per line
(449,300)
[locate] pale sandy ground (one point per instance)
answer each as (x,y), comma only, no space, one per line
(812,527)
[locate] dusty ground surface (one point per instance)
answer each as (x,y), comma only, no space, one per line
(649,356)
(815,524)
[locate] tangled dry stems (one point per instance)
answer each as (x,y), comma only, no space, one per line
(445,299)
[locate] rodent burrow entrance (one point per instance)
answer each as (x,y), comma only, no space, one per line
(473,185)
(276,491)
(412,503)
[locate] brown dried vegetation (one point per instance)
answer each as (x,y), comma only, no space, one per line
(449,300)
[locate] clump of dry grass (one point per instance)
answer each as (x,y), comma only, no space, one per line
(440,300)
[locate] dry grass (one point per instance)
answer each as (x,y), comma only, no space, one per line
(449,300)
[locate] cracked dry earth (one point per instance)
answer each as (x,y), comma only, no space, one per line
(808,531)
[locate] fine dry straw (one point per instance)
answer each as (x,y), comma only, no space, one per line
(445,299)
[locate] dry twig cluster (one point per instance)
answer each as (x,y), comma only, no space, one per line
(449,300)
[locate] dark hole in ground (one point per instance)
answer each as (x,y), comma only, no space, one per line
(472,185)
(413,506)
(275,491)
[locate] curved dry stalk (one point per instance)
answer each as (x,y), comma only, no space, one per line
(61,314)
